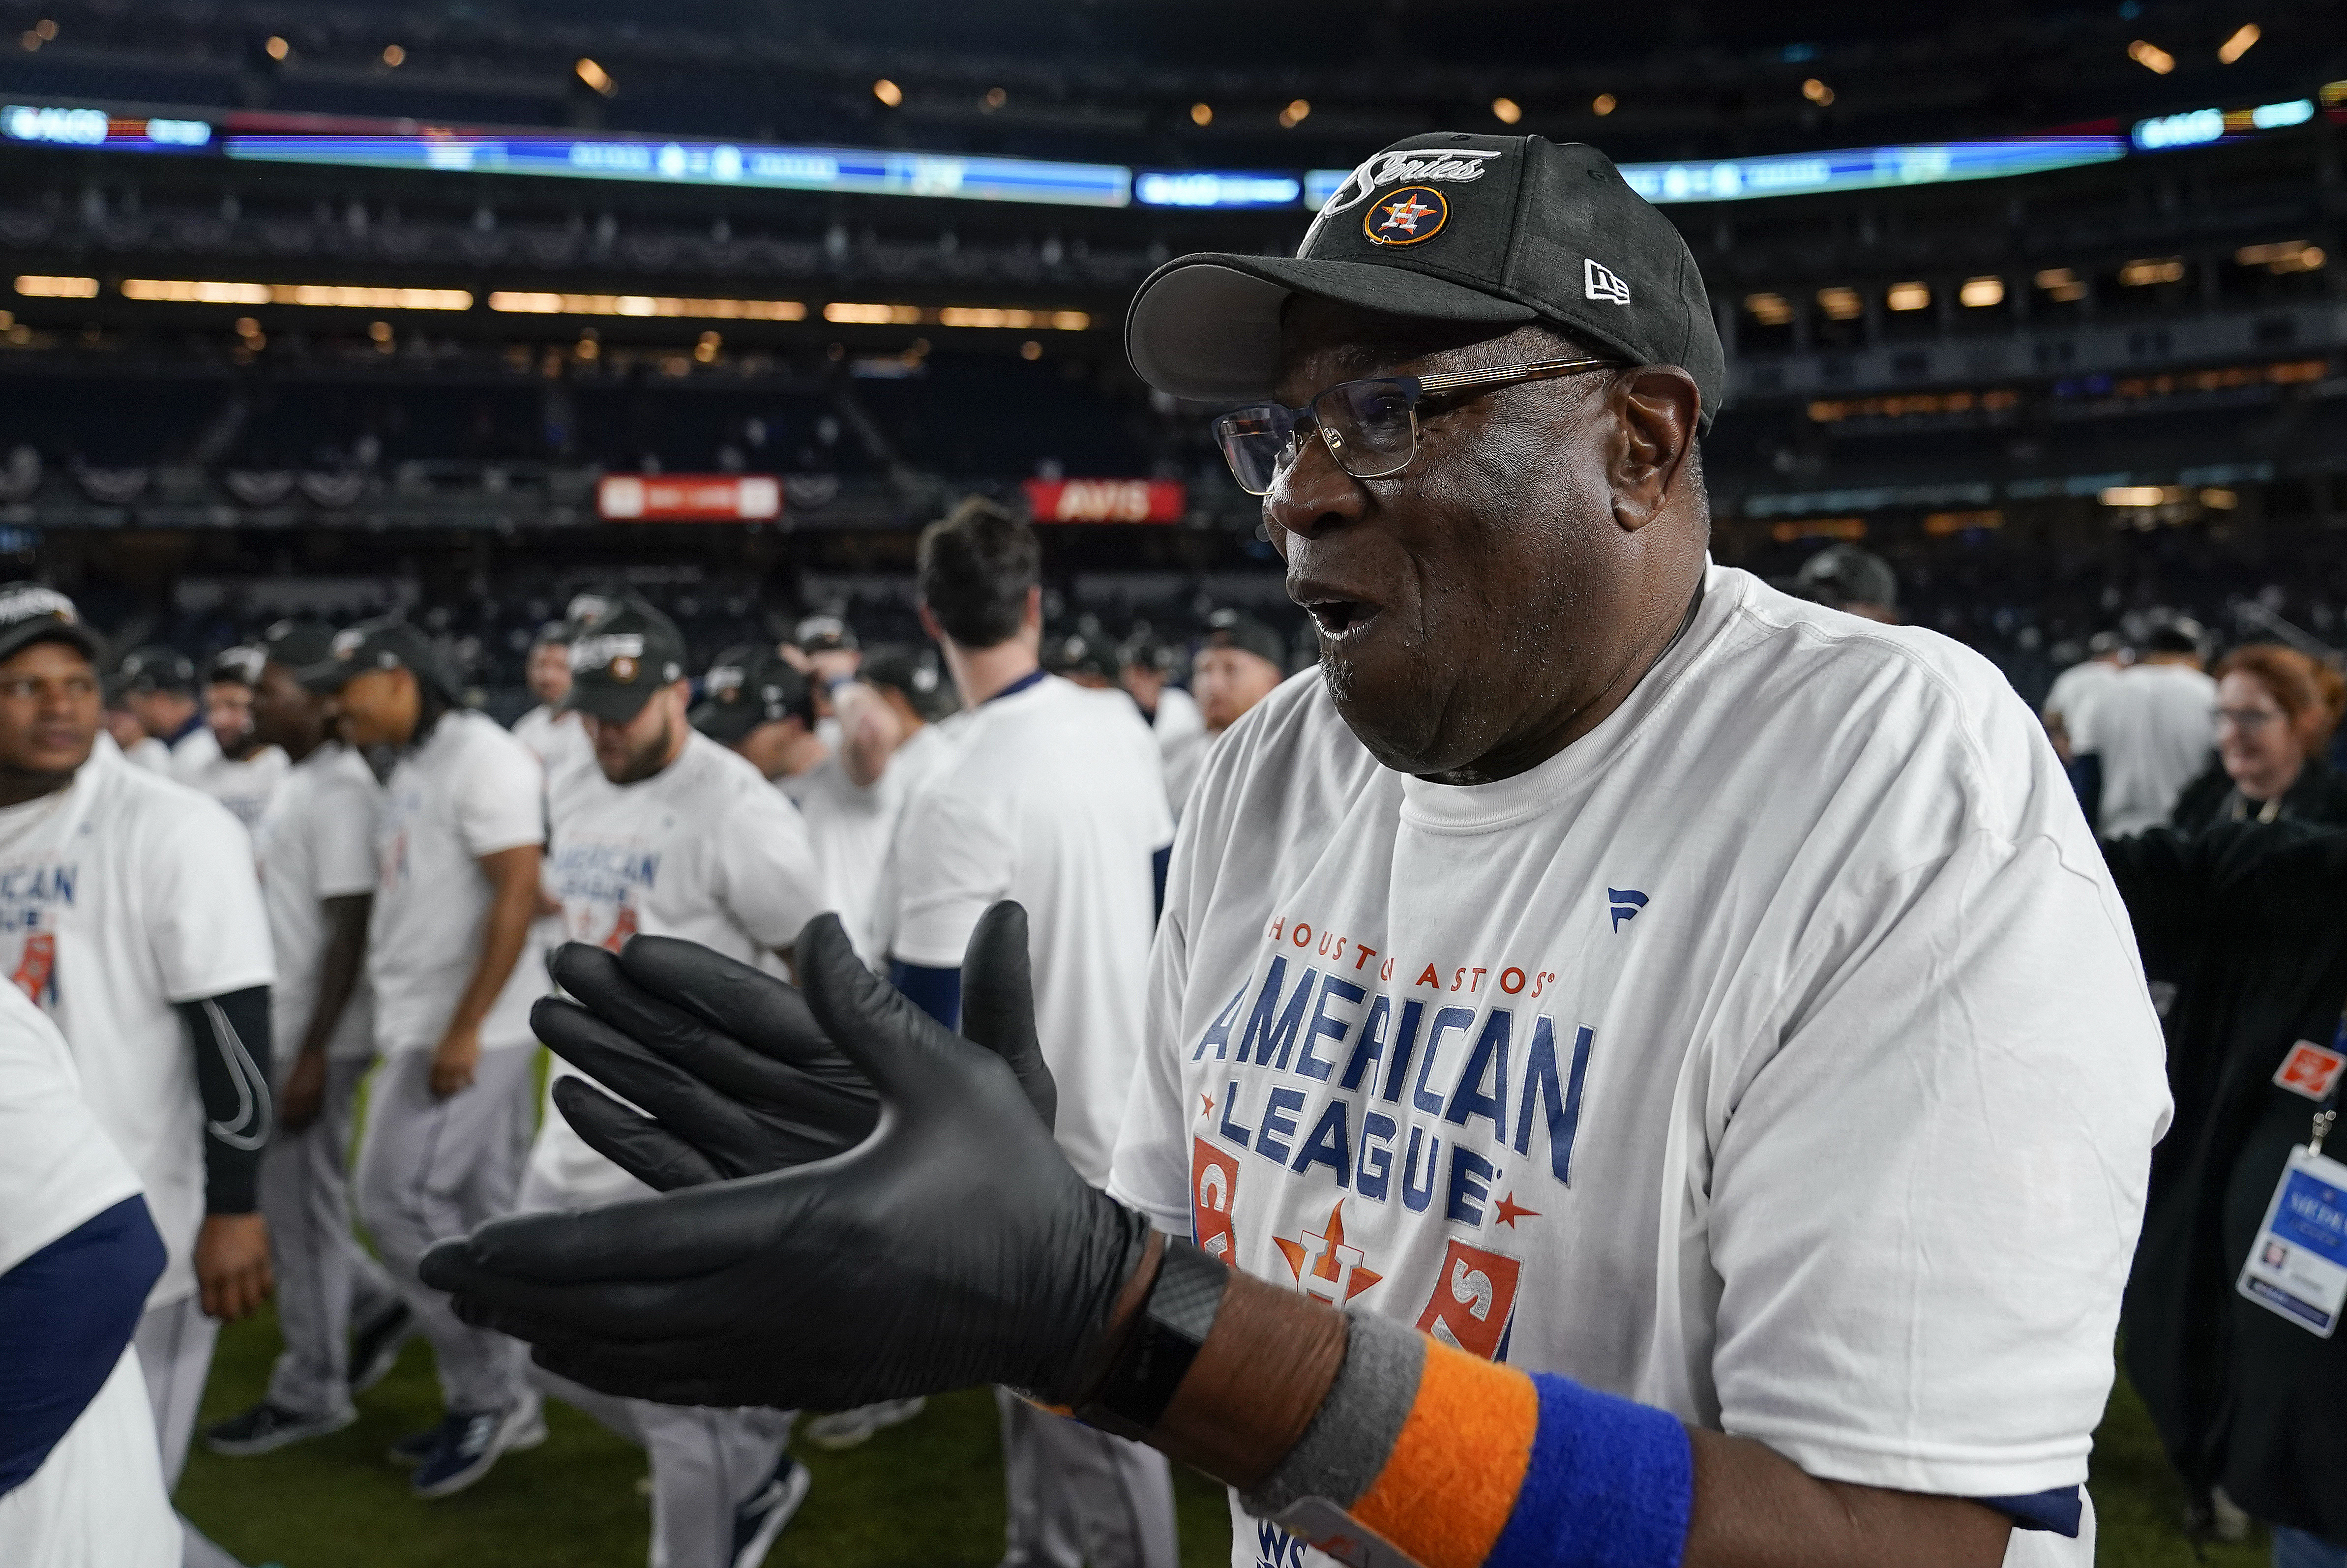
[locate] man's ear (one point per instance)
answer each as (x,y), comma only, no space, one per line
(1030,617)
(1655,409)
(929,626)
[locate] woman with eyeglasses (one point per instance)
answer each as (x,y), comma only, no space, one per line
(2276,708)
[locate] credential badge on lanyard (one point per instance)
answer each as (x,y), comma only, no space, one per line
(2296,1266)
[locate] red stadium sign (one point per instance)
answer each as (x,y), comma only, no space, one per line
(1107,500)
(689,498)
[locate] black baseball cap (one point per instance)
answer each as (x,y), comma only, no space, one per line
(1238,629)
(240,666)
(1841,575)
(30,613)
(1449,227)
(298,643)
(1077,655)
(749,686)
(825,634)
(155,668)
(616,666)
(386,643)
(917,673)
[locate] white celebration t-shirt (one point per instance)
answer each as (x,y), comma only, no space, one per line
(97,1501)
(559,741)
(244,786)
(145,752)
(1054,799)
(316,842)
(1777,1053)
(469,791)
(1185,759)
(703,850)
(120,894)
(852,828)
(2154,728)
(1177,716)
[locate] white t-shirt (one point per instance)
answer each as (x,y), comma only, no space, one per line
(2154,728)
(1054,799)
(97,1500)
(1775,1054)
(120,894)
(469,791)
(703,850)
(1177,716)
(243,786)
(1184,759)
(316,842)
(2075,690)
(150,753)
(853,828)
(559,741)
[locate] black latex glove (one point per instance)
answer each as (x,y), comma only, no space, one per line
(737,1076)
(955,1246)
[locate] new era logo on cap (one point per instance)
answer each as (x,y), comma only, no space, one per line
(1599,282)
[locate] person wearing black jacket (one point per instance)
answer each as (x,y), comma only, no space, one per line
(2243,931)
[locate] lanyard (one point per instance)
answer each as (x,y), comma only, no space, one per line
(2326,1110)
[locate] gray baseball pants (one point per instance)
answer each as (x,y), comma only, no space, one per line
(1078,1497)
(430,1169)
(175,1344)
(705,1462)
(325,1280)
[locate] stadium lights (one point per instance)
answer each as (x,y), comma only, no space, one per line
(277,48)
(2151,57)
(1603,104)
(1841,304)
(1818,93)
(2062,284)
(1202,114)
(393,55)
(1769,310)
(2140,495)
(996,98)
(533,303)
(44,29)
(596,76)
(2245,38)
(1979,293)
(346,296)
(705,350)
(1909,296)
(1506,111)
(1293,114)
(2286,256)
(32,285)
(2154,269)
(1030,349)
(862,315)
(887,92)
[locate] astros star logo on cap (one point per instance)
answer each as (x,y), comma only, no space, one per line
(1406,216)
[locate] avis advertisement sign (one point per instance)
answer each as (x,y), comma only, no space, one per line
(1107,500)
(689,498)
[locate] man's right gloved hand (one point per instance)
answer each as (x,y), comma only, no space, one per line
(955,1245)
(733,1073)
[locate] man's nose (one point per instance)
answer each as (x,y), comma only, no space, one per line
(1312,493)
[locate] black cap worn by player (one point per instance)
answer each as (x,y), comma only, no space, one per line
(388,642)
(156,668)
(1238,629)
(616,666)
(915,673)
(747,687)
(1449,228)
(30,613)
(825,634)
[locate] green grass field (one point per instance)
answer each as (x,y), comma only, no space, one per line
(927,1493)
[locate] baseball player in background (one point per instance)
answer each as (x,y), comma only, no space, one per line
(130,914)
(81,1483)
(550,731)
(672,834)
(316,848)
(1239,663)
(227,759)
(158,684)
(456,855)
(1054,799)
(757,704)
(1146,669)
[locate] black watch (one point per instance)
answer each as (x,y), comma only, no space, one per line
(1173,1323)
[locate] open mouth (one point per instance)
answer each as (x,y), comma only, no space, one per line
(1337,617)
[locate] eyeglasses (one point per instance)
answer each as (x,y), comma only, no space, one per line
(1369,427)
(2249,720)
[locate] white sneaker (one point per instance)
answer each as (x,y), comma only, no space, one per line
(845,1429)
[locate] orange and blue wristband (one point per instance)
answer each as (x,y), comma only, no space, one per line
(1454,1463)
